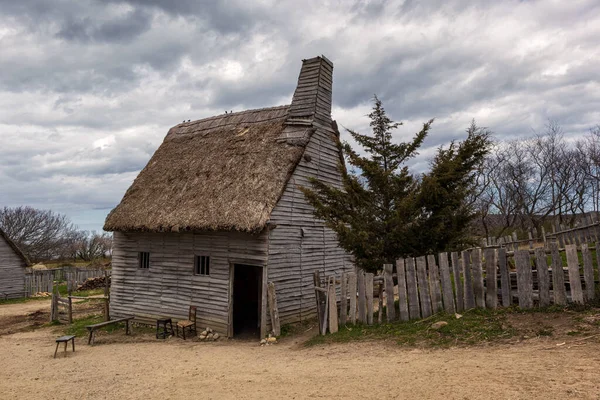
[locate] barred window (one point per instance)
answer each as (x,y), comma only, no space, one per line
(201,265)
(144,259)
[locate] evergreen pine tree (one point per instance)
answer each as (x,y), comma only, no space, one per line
(382,211)
(368,212)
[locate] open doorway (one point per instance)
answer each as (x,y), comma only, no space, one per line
(247,300)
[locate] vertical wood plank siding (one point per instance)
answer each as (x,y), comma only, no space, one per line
(12,272)
(169,286)
(300,244)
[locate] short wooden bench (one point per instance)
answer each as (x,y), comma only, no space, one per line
(92,328)
(65,340)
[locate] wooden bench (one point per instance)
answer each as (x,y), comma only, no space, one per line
(92,328)
(65,340)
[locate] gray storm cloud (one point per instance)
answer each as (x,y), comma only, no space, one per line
(88,89)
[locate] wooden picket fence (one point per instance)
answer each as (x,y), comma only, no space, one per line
(39,281)
(43,280)
(587,232)
(455,282)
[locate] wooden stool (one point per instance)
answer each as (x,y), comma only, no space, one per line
(162,323)
(65,340)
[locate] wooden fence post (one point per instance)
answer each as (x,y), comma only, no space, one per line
(477,269)
(369,292)
(574,278)
(362,300)
(70,311)
(468,283)
(352,292)
(558,276)
(273,309)
(402,295)
(588,273)
(390,309)
(434,284)
(504,278)
(542,276)
(524,279)
(491,290)
(333,315)
(380,303)
(424,294)
(414,309)
(544,235)
(458,285)
(447,295)
(344,299)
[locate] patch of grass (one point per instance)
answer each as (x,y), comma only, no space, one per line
(62,289)
(545,331)
(476,326)
(298,328)
(77,328)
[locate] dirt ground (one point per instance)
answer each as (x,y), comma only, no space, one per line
(141,367)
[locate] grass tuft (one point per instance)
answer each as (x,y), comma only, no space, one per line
(475,326)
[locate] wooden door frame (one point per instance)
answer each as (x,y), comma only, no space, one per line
(263,295)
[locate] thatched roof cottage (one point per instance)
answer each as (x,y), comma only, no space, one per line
(217,213)
(12,268)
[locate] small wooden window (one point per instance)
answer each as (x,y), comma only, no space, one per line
(201,265)
(144,259)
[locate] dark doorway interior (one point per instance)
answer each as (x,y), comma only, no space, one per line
(247,300)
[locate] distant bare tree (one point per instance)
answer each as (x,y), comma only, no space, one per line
(41,234)
(528,181)
(93,245)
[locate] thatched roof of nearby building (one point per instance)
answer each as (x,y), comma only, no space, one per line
(226,172)
(220,173)
(15,248)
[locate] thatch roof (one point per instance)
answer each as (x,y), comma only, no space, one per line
(220,173)
(15,248)
(227,172)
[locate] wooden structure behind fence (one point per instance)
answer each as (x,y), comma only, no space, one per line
(587,231)
(426,285)
(42,280)
(39,281)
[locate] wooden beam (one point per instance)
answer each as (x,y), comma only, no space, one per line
(274,312)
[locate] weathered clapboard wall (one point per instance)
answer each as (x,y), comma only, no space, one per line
(456,282)
(169,286)
(12,270)
(299,244)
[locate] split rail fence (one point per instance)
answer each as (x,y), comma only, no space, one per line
(455,282)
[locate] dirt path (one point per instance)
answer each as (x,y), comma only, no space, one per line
(141,367)
(10,310)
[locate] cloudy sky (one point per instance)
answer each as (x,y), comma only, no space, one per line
(88,89)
